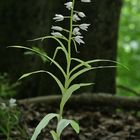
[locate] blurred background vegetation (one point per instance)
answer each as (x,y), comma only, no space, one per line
(128,47)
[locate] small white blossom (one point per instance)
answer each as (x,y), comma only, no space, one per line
(76,31)
(85,0)
(68,5)
(57,28)
(79,40)
(76,18)
(57,34)
(84,26)
(12,102)
(58,17)
(81,14)
(3,106)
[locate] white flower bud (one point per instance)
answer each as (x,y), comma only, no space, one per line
(57,28)
(76,31)
(84,26)
(78,39)
(3,106)
(68,5)
(58,17)
(12,102)
(85,0)
(76,18)
(81,14)
(57,34)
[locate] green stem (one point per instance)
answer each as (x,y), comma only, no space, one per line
(68,61)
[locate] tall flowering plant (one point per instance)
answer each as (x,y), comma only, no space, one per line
(74,38)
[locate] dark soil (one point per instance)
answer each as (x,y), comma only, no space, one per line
(96,124)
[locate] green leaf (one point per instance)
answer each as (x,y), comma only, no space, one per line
(69,92)
(43,123)
(42,52)
(86,70)
(54,135)
(43,71)
(58,82)
(75,126)
(31,73)
(43,55)
(87,63)
(60,48)
(62,125)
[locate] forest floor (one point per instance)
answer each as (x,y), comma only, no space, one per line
(95,123)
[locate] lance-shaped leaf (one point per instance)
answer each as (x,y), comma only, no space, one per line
(42,124)
(69,92)
(51,37)
(86,70)
(82,63)
(39,50)
(60,48)
(64,123)
(75,126)
(43,71)
(43,55)
(87,63)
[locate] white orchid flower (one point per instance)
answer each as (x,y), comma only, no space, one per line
(76,31)
(76,18)
(78,39)
(58,17)
(85,0)
(84,26)
(57,34)
(12,102)
(57,28)
(68,5)
(81,14)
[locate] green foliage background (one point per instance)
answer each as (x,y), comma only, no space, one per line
(128,48)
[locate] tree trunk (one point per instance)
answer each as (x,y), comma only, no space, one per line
(23,20)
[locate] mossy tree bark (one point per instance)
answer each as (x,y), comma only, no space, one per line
(23,20)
